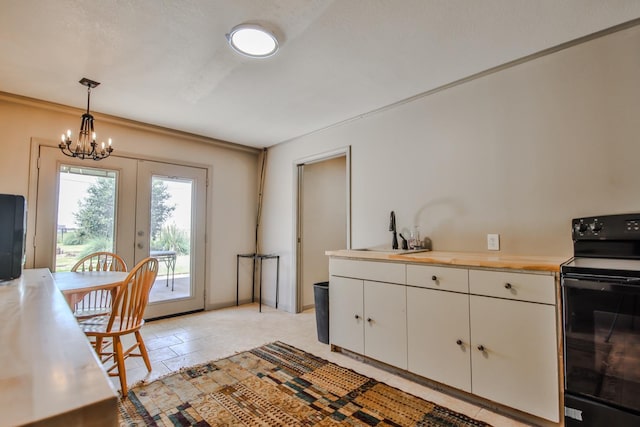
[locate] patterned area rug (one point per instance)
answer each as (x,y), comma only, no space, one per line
(278,385)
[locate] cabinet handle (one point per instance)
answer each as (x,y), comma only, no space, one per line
(357,316)
(459,342)
(369,320)
(507,286)
(481,347)
(434,278)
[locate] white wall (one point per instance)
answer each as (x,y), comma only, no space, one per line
(519,152)
(233,184)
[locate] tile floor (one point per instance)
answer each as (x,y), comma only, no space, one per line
(187,340)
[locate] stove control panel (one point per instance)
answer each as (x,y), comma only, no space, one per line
(607,227)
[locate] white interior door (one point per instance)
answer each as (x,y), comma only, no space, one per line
(128,206)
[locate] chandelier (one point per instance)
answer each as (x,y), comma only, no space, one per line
(86,146)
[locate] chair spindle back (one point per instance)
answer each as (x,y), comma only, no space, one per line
(133,296)
(100,261)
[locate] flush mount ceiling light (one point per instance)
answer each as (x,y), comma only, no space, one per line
(86,146)
(252,40)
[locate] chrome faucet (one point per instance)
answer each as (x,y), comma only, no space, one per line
(392,228)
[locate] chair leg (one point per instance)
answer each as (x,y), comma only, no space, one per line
(143,350)
(122,370)
(98,347)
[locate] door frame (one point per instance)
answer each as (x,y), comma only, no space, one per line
(298,176)
(32,197)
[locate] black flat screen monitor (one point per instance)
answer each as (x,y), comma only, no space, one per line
(12,235)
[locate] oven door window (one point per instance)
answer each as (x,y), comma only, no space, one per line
(602,342)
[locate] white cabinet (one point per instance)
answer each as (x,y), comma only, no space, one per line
(490,333)
(514,354)
(385,329)
(438,324)
(438,336)
(369,318)
(346,313)
(510,316)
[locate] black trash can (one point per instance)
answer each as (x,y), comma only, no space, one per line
(321,299)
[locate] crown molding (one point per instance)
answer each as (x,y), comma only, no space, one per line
(60,108)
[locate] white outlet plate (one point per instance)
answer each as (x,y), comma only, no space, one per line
(493,242)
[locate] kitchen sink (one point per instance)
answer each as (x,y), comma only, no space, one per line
(389,250)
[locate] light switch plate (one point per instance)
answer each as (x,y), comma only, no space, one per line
(493,242)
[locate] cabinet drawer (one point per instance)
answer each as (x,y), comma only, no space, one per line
(443,278)
(521,286)
(368,270)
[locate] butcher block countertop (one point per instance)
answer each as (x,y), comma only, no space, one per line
(463,259)
(49,374)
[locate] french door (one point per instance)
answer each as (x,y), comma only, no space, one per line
(170,218)
(135,208)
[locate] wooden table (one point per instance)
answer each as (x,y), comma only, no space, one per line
(75,285)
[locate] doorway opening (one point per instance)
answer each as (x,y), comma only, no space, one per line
(323,218)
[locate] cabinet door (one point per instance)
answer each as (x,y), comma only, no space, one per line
(438,336)
(519,364)
(385,337)
(346,314)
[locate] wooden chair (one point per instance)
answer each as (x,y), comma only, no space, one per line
(98,302)
(106,332)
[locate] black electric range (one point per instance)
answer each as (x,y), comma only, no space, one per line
(601,322)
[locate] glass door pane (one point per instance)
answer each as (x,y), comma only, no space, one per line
(171,236)
(86,213)
(170,226)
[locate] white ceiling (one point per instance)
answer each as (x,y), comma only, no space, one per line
(167,62)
